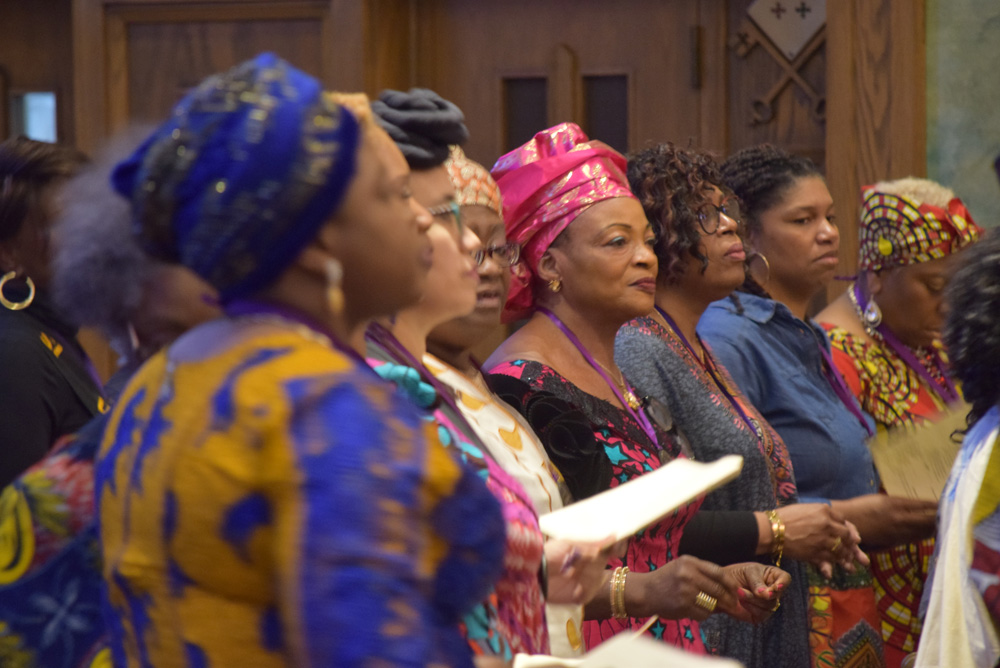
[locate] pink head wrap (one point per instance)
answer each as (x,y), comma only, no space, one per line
(545,185)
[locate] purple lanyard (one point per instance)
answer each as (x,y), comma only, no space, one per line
(839,385)
(250,307)
(638,416)
(947,392)
(709,367)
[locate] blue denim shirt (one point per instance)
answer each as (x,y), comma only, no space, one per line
(774,358)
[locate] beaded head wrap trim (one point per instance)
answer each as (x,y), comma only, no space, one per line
(242,175)
(897,231)
(473,183)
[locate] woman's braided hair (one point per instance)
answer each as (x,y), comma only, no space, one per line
(972,328)
(672,185)
(760,175)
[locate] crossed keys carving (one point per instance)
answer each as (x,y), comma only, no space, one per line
(746,38)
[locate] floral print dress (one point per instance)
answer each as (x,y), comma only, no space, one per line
(631,454)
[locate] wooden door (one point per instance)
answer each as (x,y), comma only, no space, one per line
(629,73)
(135,58)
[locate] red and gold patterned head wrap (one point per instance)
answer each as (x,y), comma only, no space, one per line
(545,185)
(897,230)
(473,183)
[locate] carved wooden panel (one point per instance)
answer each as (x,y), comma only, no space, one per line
(770,99)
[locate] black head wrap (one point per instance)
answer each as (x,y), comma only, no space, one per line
(422,123)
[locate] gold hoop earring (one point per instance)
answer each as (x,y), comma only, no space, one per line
(555,285)
(759,268)
(17,306)
(334,291)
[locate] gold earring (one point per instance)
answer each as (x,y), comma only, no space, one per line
(334,291)
(555,285)
(17,306)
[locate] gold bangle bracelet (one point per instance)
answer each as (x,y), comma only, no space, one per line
(777,536)
(617,592)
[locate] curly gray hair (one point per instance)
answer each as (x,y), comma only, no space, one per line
(99,270)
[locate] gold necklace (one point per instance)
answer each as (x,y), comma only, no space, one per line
(630,398)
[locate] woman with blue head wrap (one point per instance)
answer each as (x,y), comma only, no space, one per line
(264,499)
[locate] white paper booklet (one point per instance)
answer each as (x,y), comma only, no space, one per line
(623,510)
(627,651)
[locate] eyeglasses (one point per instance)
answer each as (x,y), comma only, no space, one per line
(710,215)
(506,255)
(448,210)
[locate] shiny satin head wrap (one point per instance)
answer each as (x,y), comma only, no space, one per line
(241,177)
(473,183)
(897,230)
(545,185)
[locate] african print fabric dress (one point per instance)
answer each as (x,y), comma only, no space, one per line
(895,395)
(631,454)
(50,561)
(266,500)
(512,619)
(517,449)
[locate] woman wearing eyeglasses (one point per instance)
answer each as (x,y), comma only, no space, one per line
(504,433)
(701,259)
(513,618)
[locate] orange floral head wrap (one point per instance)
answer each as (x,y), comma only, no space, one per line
(897,230)
(545,185)
(473,183)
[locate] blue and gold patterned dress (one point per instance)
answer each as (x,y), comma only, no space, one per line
(265,500)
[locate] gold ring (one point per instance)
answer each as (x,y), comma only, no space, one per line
(777,604)
(836,544)
(703,600)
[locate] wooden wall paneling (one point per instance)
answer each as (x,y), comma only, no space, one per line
(565,87)
(876,113)
(164,50)
(4,97)
(714,91)
(464,47)
(390,44)
(137,57)
(89,64)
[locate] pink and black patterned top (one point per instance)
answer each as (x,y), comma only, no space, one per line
(631,454)
(512,619)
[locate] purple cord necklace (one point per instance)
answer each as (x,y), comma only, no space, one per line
(637,414)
